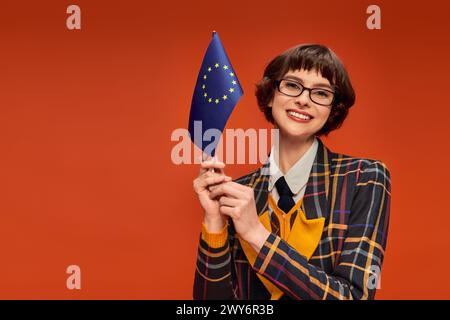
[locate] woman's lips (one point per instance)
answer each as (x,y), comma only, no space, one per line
(296,118)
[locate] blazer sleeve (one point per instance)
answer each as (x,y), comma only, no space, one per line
(357,270)
(213,278)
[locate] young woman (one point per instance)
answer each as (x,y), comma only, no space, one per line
(308,224)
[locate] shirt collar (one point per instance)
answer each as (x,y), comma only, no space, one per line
(298,174)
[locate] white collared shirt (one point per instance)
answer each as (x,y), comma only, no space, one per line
(298,174)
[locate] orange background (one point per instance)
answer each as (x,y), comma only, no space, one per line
(86,117)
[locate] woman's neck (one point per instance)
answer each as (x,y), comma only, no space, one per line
(291,150)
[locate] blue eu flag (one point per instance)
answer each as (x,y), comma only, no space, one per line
(216,93)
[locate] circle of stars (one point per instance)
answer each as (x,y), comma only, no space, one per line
(216,100)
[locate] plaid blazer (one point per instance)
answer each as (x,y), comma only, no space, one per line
(353,195)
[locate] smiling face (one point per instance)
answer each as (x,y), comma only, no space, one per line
(289,112)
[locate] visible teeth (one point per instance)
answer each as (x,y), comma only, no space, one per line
(298,115)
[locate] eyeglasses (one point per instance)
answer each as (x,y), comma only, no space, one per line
(291,88)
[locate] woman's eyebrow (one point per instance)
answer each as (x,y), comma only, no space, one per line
(318,84)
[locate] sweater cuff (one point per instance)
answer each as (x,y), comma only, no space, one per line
(215,240)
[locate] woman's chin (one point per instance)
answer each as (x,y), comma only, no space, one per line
(291,130)
(295,134)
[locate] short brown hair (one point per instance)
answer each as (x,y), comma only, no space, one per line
(309,56)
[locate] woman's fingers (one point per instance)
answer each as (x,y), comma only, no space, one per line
(228,189)
(212,165)
(210,181)
(229,202)
(239,186)
(211,174)
(228,211)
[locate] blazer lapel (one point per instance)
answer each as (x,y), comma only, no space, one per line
(260,185)
(315,200)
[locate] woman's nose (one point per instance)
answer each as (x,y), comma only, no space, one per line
(303,99)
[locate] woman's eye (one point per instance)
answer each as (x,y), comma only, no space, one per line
(291,85)
(322,93)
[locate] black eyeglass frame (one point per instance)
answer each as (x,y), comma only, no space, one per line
(278,82)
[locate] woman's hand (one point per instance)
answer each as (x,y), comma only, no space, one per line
(211,173)
(238,202)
